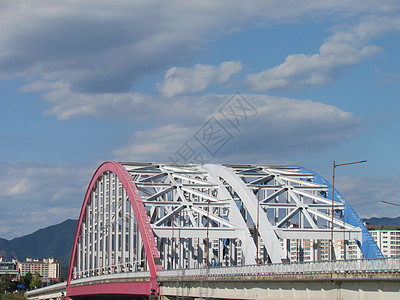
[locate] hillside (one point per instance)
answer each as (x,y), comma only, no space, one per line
(53,241)
(383,221)
(5,248)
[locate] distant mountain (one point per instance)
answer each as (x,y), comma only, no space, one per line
(383,221)
(53,241)
(4,247)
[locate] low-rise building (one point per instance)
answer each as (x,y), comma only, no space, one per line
(10,268)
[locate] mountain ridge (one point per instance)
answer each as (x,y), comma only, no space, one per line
(52,241)
(382,221)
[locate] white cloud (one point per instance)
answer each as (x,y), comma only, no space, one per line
(365,194)
(34,196)
(66,104)
(11,188)
(86,56)
(188,80)
(285,127)
(102,46)
(347,47)
(281,127)
(157,143)
(390,78)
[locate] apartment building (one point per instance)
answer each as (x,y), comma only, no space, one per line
(387,237)
(47,268)
(307,250)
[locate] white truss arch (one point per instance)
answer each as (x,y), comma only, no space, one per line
(249,200)
(249,247)
(144,217)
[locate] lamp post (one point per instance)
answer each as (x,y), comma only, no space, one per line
(208,225)
(333,196)
(391,203)
(258,223)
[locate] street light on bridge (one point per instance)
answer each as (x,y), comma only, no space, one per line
(333,197)
(391,203)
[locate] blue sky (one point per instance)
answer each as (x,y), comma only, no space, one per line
(89,81)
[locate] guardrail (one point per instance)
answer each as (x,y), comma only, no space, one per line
(339,266)
(55,288)
(110,277)
(127,267)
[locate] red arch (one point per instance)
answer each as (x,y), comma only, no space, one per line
(143,222)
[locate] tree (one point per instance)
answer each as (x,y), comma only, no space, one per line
(36,282)
(26,280)
(6,285)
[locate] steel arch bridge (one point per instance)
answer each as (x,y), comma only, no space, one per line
(140,218)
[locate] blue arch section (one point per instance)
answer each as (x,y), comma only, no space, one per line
(368,247)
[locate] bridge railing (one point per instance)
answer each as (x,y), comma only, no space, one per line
(111,277)
(128,267)
(339,266)
(55,290)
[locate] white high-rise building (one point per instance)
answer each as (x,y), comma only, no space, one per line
(387,237)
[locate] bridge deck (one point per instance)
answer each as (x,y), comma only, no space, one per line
(379,278)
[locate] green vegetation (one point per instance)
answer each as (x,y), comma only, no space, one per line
(12,297)
(26,280)
(9,288)
(36,282)
(6,285)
